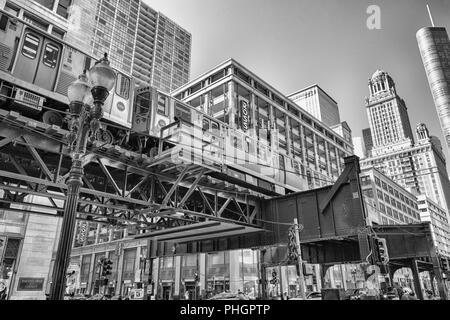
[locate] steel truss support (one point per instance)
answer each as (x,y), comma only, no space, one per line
(142,191)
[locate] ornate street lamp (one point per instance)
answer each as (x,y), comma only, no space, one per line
(86,99)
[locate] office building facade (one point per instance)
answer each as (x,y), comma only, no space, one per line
(140,41)
(431,212)
(386,201)
(434,46)
(318,103)
(304,143)
(420,169)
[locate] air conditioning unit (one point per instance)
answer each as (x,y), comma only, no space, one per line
(28,100)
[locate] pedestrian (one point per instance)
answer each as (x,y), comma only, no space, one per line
(3,290)
(186,295)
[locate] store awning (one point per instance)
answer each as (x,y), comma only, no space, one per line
(200,231)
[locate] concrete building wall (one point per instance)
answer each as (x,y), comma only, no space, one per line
(37,250)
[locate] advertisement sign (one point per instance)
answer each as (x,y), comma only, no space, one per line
(30,284)
(244,110)
(83,231)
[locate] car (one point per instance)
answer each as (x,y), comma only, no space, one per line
(354,294)
(315,295)
(229,296)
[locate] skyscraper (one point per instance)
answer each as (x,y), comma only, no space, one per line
(419,167)
(163,51)
(318,103)
(434,48)
(388,115)
(368,143)
(140,41)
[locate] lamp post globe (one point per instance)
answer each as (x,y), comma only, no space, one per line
(83,123)
(77,92)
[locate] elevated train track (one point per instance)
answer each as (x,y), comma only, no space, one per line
(120,186)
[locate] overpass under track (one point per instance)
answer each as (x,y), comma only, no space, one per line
(334,230)
(185,205)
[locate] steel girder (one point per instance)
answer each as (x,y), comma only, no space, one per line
(120,187)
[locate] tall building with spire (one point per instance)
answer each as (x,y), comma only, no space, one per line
(419,167)
(388,115)
(434,48)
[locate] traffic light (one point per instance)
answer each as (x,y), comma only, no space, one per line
(196,277)
(292,246)
(106,267)
(274,279)
(444,264)
(381,248)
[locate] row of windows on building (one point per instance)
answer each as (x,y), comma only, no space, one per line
(278,103)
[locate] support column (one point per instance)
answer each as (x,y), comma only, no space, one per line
(92,274)
(344,275)
(416,279)
(177,277)
(235,280)
(202,272)
(262,270)
(119,272)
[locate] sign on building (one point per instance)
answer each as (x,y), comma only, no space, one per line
(244,108)
(30,284)
(83,231)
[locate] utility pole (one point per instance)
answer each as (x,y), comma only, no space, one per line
(299,259)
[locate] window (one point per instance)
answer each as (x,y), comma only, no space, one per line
(161,104)
(51,53)
(12,9)
(123,86)
(46,3)
(58,33)
(63,7)
(30,46)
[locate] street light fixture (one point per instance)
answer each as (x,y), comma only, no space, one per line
(86,98)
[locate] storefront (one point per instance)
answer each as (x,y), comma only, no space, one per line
(128,271)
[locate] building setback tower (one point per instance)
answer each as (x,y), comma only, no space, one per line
(388,115)
(434,48)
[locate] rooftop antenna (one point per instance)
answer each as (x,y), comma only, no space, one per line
(431,17)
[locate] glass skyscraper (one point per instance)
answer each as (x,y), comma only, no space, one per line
(434,48)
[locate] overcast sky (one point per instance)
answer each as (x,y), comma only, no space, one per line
(292,44)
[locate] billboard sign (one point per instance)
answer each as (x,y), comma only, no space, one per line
(244,108)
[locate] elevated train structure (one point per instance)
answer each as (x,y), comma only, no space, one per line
(166,163)
(37,68)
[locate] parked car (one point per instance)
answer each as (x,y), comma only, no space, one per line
(97,296)
(315,295)
(390,294)
(229,296)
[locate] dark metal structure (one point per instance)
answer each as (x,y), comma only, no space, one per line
(170,201)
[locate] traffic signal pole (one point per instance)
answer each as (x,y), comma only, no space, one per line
(299,259)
